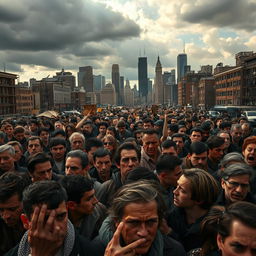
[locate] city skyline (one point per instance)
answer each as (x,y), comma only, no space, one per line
(42,37)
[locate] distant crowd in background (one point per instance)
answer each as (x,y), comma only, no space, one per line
(128,182)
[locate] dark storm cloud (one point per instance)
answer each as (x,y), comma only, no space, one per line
(56,25)
(237,14)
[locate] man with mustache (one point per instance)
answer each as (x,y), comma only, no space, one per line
(235,183)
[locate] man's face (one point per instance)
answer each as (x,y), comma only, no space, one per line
(236,188)
(58,152)
(150,144)
(179,142)
(44,135)
(240,242)
(182,194)
(77,143)
(102,129)
(216,154)
(87,203)
(198,160)
(58,125)
(147,126)
(139,137)
(140,221)
(9,130)
(250,154)
(87,129)
(103,166)
(74,167)
(128,161)
(236,135)
(33,127)
(90,154)
(182,130)
(226,137)
(6,161)
(169,151)
(34,147)
(171,178)
(195,136)
(18,153)
(10,210)
(42,171)
(121,129)
(20,136)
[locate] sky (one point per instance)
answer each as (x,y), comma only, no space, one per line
(39,38)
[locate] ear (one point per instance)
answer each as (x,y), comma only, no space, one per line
(24,220)
(71,205)
(189,156)
(220,242)
(223,183)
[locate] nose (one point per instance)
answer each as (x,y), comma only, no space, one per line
(239,189)
(175,191)
(5,215)
(95,200)
(142,231)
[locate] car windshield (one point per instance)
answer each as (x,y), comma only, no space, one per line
(251,113)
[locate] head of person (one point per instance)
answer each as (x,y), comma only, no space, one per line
(236,132)
(59,125)
(35,145)
(158,125)
(246,130)
(127,158)
(235,181)
(77,163)
(138,134)
(111,130)
(91,145)
(148,124)
(19,133)
(11,188)
(196,134)
(249,150)
(39,167)
(103,128)
(169,147)
(226,136)
(236,229)
(206,128)
(7,154)
(172,128)
(140,207)
(225,126)
(150,143)
(110,143)
(2,137)
(182,129)
(179,139)
(33,125)
(58,148)
(59,133)
(8,129)
(216,146)
(168,169)
(121,126)
(81,194)
(198,155)
(54,196)
(196,188)
(102,162)
(77,141)
(231,158)
(87,127)
(70,128)
(44,135)
(18,150)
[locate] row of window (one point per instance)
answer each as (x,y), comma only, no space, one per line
(228,76)
(228,84)
(228,93)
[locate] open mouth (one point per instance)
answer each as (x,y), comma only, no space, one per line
(250,158)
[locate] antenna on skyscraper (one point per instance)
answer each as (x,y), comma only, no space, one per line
(144,52)
(184,46)
(4,67)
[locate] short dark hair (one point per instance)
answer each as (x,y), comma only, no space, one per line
(126,146)
(35,138)
(167,163)
(101,152)
(58,132)
(43,129)
(18,129)
(81,155)
(198,147)
(150,132)
(148,120)
(10,184)
(76,186)
(178,135)
(43,192)
(214,142)
(103,124)
(57,141)
(92,142)
(169,144)
(196,129)
(140,173)
(38,158)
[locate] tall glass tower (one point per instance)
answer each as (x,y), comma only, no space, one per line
(143,77)
(181,64)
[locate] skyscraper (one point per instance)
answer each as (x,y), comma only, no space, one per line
(116,81)
(158,85)
(85,78)
(143,78)
(181,63)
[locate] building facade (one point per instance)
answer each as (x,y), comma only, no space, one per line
(143,78)
(85,78)
(24,100)
(116,81)
(158,84)
(181,66)
(108,95)
(206,93)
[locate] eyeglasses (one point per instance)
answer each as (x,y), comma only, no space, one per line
(108,143)
(234,184)
(127,159)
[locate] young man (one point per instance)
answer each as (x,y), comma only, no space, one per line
(46,219)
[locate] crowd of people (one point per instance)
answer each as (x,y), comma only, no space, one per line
(128,182)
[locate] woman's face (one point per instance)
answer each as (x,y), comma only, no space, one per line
(109,145)
(241,241)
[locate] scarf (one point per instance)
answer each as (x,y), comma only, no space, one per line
(24,247)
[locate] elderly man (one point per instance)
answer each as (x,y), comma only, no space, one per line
(77,141)
(136,213)
(235,183)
